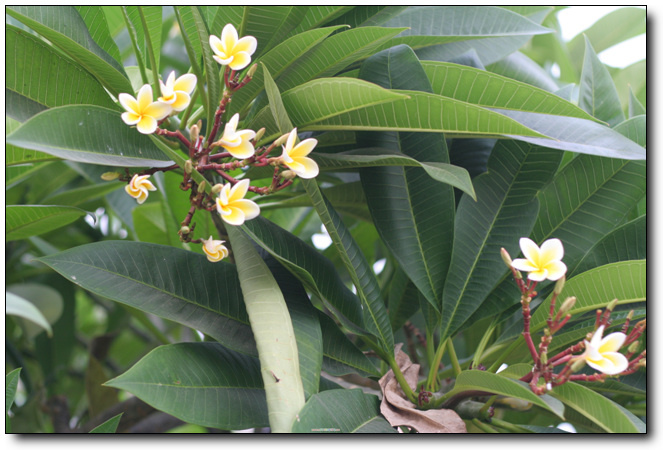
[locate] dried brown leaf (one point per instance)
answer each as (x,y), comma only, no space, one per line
(398,410)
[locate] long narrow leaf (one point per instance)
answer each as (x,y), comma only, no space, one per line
(23,221)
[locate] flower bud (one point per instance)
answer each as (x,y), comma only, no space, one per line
(559,285)
(612,305)
(109,176)
(202,186)
(252,71)
(578,364)
(217,188)
(185,230)
(544,359)
(188,166)
(629,316)
(281,140)
(567,306)
(288,174)
(642,362)
(194,132)
(505,257)
(633,347)
(259,134)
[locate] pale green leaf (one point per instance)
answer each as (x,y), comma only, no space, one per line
(20,307)
(23,221)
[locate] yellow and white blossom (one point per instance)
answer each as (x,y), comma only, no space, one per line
(214,249)
(232,51)
(142,111)
(541,263)
(233,207)
(138,187)
(602,353)
(177,92)
(295,156)
(237,143)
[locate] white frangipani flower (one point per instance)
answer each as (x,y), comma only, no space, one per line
(232,51)
(602,353)
(214,249)
(233,207)
(237,143)
(142,111)
(295,156)
(177,92)
(138,187)
(541,263)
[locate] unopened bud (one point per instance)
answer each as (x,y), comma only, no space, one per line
(578,364)
(559,285)
(110,176)
(281,140)
(185,230)
(633,347)
(544,359)
(612,305)
(217,188)
(194,132)
(252,71)
(567,306)
(259,134)
(642,362)
(288,174)
(201,186)
(505,257)
(188,166)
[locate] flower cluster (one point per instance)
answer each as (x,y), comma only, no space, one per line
(598,352)
(234,149)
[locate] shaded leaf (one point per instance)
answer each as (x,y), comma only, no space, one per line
(520,67)
(320,15)
(16,156)
(97,24)
(23,221)
(201,383)
(270,24)
(342,411)
(109,426)
(78,196)
(171,283)
(20,307)
(11,384)
(101,137)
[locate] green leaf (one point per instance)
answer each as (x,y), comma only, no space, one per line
(401,299)
(277,60)
(270,24)
(315,271)
(516,171)
(575,135)
(64,27)
(605,413)
(340,355)
(342,411)
(11,384)
(635,108)
(334,54)
(18,306)
(97,24)
(379,157)
(152,33)
(368,15)
(150,226)
(335,96)
(426,112)
(15,156)
(376,319)
(625,281)
(492,32)
(611,29)
(633,77)
(23,221)
(201,383)
(101,137)
(520,67)
(273,331)
(635,129)
(487,89)
(413,214)
(319,15)
(32,88)
(78,196)
(628,242)
(598,95)
(171,283)
(109,426)
(228,14)
(478,380)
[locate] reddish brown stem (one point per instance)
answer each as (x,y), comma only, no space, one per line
(175,134)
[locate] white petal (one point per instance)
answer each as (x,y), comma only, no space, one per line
(612,342)
(530,250)
(552,250)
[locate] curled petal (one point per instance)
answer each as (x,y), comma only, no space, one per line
(538,275)
(233,215)
(217,46)
(556,270)
(523,264)
(130,118)
(240,61)
(185,83)
(244,149)
(530,250)
(147,125)
(223,61)
(144,97)
(157,110)
(304,167)
(239,191)
(181,101)
(290,143)
(552,249)
(304,148)
(612,342)
(129,103)
(247,44)
(250,209)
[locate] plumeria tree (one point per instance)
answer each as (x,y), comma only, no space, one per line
(309,219)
